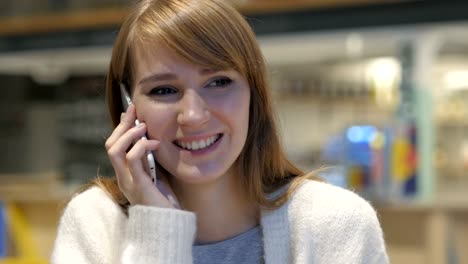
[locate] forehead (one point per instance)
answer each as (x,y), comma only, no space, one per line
(155,52)
(156,57)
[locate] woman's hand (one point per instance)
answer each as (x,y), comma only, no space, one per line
(134,181)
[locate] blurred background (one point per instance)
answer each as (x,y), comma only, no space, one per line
(375,90)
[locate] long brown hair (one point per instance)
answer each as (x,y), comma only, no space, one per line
(209,33)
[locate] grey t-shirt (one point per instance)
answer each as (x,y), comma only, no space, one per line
(246,248)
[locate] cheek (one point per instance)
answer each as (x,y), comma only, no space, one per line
(234,105)
(239,109)
(158,119)
(234,115)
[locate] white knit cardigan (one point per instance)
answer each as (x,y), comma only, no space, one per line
(321,223)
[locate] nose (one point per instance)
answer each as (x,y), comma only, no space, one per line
(193,110)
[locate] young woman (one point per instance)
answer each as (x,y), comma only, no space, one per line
(199,87)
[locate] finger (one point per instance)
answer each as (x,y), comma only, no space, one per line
(135,158)
(127,120)
(117,153)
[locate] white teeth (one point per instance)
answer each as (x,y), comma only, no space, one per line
(203,144)
(196,145)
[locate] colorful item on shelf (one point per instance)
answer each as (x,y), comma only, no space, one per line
(3,232)
(378,163)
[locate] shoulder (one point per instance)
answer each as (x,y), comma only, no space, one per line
(89,196)
(341,217)
(93,205)
(91,199)
(330,223)
(320,195)
(319,202)
(89,229)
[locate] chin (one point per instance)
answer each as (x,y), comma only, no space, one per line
(197,175)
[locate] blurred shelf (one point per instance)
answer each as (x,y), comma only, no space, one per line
(454,201)
(22,261)
(266,6)
(36,188)
(98,26)
(105,17)
(425,232)
(53,22)
(113,16)
(462,124)
(446,205)
(47,187)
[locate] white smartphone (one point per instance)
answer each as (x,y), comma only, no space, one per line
(126,102)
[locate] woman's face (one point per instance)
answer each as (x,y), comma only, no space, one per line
(199,115)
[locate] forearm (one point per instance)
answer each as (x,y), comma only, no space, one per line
(93,229)
(158,235)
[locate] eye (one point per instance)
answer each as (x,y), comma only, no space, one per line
(161,91)
(220,82)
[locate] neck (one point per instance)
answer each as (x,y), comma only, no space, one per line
(222,208)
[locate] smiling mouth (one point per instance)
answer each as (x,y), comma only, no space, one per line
(198,144)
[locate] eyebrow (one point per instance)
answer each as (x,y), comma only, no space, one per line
(170,76)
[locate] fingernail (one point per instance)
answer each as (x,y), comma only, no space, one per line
(130,108)
(128,115)
(153,143)
(141,125)
(122,116)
